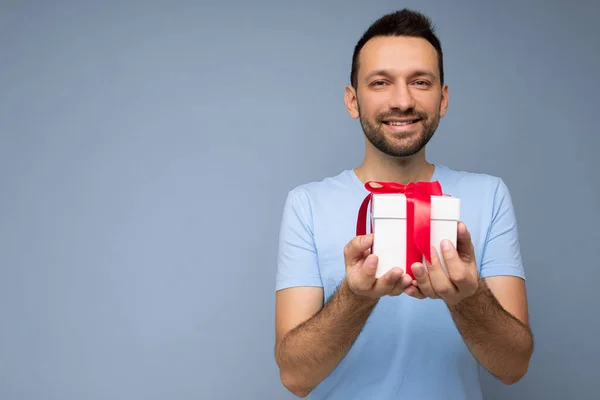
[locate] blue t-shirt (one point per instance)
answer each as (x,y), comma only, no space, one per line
(409,348)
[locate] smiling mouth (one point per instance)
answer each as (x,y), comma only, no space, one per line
(401,123)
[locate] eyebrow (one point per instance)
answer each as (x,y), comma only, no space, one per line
(387,74)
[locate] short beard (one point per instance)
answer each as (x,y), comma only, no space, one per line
(406,147)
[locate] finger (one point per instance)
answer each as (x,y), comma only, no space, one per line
(355,249)
(386,283)
(414,291)
(454,264)
(441,283)
(363,275)
(423,282)
(401,285)
(463,273)
(464,244)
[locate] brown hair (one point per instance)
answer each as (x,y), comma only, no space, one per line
(400,23)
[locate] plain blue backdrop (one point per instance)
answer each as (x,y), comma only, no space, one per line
(146,149)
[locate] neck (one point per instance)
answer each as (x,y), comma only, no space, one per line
(402,170)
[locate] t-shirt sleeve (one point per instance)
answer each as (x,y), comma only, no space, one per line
(502,254)
(297,263)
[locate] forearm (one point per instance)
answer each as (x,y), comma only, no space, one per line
(499,341)
(308,353)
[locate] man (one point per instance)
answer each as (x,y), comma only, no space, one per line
(341,333)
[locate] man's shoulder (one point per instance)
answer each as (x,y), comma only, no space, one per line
(471,182)
(328,187)
(328,202)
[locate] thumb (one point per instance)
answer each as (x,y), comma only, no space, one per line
(364,272)
(356,248)
(464,245)
(366,241)
(369,267)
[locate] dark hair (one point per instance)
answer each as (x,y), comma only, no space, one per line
(400,23)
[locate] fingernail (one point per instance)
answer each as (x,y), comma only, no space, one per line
(418,271)
(371,261)
(363,240)
(446,245)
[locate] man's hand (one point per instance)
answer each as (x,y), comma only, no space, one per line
(500,341)
(463,277)
(312,337)
(361,267)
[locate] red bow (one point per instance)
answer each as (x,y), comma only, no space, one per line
(418,216)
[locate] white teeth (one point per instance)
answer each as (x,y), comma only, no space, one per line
(397,123)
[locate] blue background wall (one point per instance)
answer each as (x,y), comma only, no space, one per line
(146,149)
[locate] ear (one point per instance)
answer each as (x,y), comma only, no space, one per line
(351,102)
(444,103)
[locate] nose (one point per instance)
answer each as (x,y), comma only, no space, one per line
(401,98)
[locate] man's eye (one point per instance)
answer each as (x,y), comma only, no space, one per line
(378,83)
(422,83)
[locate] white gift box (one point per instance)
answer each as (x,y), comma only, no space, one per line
(389,219)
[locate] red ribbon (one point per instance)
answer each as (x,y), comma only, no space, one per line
(418,216)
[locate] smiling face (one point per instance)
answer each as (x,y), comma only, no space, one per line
(398,96)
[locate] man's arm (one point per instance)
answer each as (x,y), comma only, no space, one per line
(308,351)
(312,340)
(500,302)
(490,313)
(494,324)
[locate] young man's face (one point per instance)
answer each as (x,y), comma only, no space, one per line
(399,98)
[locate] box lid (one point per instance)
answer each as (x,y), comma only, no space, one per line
(393,205)
(445,208)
